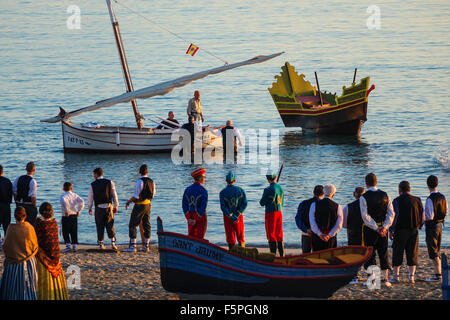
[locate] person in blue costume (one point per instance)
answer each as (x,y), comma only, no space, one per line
(195,199)
(233,202)
(272,200)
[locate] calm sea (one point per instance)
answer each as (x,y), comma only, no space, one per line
(44,64)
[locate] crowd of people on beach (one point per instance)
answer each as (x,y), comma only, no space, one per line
(32,267)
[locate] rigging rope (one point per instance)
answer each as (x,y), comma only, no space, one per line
(167,30)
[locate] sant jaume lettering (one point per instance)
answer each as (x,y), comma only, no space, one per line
(214,254)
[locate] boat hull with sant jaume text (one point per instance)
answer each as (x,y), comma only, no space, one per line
(302,105)
(196,266)
(80,138)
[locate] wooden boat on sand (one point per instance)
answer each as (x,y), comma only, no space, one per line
(190,265)
(301,104)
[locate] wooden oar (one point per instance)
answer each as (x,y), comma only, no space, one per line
(171,122)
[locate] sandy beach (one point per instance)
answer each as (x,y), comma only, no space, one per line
(136,276)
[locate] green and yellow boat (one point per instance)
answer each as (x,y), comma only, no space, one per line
(300,104)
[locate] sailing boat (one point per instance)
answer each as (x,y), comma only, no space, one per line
(96,138)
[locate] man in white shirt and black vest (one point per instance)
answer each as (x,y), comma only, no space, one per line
(71,206)
(102,193)
(326,219)
(144,192)
(377,214)
(436,209)
(230,138)
(25,193)
(404,231)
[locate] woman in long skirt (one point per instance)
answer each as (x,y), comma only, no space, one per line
(19,279)
(52,283)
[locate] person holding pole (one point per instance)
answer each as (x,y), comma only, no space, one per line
(272,199)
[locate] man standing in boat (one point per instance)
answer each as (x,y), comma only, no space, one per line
(353,223)
(302,218)
(233,202)
(195,108)
(352,219)
(404,231)
(144,192)
(25,193)
(436,209)
(195,200)
(230,136)
(272,200)
(377,214)
(326,220)
(102,193)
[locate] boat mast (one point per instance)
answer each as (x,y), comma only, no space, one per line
(123,60)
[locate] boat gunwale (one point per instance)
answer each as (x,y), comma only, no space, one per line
(273,264)
(98,130)
(127,144)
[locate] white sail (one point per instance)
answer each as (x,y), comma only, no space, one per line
(158,89)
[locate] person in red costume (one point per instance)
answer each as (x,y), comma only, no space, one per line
(195,199)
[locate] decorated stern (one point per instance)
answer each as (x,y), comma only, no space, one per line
(301,104)
(196,266)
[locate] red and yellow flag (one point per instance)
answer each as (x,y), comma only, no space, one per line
(192,49)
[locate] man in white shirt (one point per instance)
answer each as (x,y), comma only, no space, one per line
(71,206)
(144,192)
(102,193)
(25,193)
(378,215)
(436,209)
(326,220)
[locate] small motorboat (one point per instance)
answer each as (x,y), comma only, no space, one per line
(196,266)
